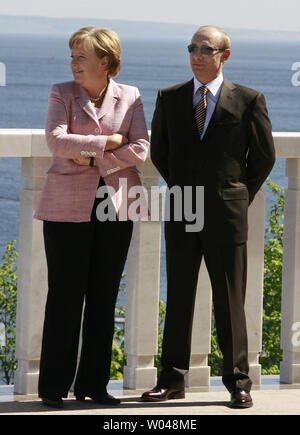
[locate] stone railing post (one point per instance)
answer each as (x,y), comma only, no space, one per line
(32,284)
(255,284)
(199,372)
(142,296)
(290,322)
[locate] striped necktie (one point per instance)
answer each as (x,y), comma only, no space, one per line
(200,111)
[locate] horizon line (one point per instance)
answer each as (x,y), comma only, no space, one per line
(148,22)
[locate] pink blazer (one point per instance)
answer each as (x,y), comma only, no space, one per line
(73,130)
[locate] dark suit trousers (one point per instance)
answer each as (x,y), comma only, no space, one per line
(227,268)
(85,264)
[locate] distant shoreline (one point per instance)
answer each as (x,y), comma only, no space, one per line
(37,25)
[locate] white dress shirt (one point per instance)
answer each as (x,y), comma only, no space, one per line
(97,110)
(214,89)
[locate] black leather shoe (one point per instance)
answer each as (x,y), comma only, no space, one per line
(158,394)
(52,402)
(105,399)
(241,399)
(170,385)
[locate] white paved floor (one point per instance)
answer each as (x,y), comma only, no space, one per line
(271,399)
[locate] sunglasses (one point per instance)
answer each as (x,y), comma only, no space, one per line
(204,49)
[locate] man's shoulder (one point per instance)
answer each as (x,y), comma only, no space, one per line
(244,90)
(242,94)
(176,88)
(189,84)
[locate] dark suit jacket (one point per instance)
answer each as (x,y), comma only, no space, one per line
(232,161)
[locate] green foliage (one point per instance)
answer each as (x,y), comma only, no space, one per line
(161,321)
(8,302)
(118,354)
(215,358)
(272,355)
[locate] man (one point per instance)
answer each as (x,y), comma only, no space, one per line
(213,133)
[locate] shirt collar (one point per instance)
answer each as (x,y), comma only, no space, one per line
(214,86)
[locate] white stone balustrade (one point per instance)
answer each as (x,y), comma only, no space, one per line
(143,270)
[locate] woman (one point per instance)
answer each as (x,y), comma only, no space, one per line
(96,131)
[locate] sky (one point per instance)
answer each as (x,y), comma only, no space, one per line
(275,15)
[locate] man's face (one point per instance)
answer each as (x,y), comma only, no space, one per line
(207,67)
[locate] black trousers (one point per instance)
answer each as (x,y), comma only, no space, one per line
(227,268)
(85,264)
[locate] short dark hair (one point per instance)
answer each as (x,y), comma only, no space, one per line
(225,39)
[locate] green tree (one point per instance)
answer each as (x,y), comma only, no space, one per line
(272,354)
(161,321)
(215,358)
(8,302)
(118,354)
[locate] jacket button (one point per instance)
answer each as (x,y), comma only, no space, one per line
(97,130)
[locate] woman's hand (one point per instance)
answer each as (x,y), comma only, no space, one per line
(115,141)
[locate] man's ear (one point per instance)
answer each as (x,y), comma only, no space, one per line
(226,54)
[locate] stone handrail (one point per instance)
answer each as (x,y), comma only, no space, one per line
(143,275)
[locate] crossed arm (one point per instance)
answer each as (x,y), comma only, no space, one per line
(109,150)
(114,142)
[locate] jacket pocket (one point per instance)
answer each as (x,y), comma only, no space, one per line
(64,167)
(233,193)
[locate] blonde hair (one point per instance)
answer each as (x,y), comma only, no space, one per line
(105,42)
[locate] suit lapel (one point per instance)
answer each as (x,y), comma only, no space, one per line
(188,90)
(188,112)
(224,107)
(109,101)
(84,101)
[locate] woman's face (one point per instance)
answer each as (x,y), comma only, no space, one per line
(87,67)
